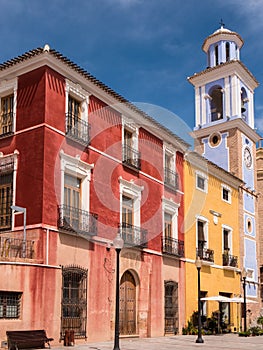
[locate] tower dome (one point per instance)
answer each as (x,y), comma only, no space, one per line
(222,46)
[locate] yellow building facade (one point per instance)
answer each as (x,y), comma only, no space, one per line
(212,233)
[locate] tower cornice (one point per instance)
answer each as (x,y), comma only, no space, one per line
(237,123)
(223,70)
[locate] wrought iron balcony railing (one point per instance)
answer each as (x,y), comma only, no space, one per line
(133,235)
(230,260)
(205,254)
(6,124)
(78,221)
(131,157)
(77,129)
(173,246)
(16,248)
(170,178)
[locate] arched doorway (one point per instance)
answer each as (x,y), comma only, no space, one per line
(127,304)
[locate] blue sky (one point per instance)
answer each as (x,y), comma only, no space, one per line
(143,49)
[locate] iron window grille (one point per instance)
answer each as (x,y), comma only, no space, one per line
(205,254)
(77,129)
(133,235)
(13,248)
(170,178)
(78,221)
(173,246)
(6,195)
(131,157)
(6,116)
(10,303)
(230,260)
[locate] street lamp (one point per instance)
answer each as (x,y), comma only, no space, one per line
(118,245)
(21,210)
(198,264)
(244,281)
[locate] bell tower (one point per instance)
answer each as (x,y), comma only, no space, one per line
(224,130)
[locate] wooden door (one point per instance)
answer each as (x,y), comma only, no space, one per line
(127,304)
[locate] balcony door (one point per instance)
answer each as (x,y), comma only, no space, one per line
(127,219)
(72,195)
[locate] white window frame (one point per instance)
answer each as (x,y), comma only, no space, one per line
(133,191)
(9,87)
(230,240)
(81,95)
(75,167)
(203,176)
(206,222)
(170,207)
(227,188)
(130,126)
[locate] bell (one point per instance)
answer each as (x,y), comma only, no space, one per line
(243,109)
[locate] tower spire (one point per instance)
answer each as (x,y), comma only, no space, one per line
(222,24)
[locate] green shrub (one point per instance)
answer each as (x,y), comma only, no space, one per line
(244,334)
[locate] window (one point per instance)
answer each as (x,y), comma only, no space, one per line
(6,116)
(216,55)
(130,221)
(6,198)
(10,304)
(203,303)
(202,240)
(227,52)
(130,154)
(201,181)
(74,208)
(216,103)
(170,176)
(74,301)
(171,243)
(226,194)
(77,127)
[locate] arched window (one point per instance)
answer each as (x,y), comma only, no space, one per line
(216,55)
(244,104)
(74,301)
(227,52)
(216,103)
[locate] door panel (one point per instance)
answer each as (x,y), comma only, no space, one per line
(127,304)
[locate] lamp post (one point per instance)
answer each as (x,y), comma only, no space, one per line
(118,245)
(198,264)
(244,281)
(21,210)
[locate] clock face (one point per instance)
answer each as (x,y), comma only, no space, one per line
(247,157)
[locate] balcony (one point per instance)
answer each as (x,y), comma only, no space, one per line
(205,254)
(131,157)
(230,260)
(77,129)
(170,178)
(11,248)
(173,246)
(6,124)
(78,221)
(133,236)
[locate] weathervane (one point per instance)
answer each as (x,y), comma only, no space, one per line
(222,23)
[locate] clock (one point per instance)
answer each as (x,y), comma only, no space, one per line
(247,157)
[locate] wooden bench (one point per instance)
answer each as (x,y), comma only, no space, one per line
(27,339)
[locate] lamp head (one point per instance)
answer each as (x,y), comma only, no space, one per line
(118,242)
(198,263)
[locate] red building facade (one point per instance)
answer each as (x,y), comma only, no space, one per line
(85,165)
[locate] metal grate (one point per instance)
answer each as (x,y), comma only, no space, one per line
(173,246)
(74,301)
(10,303)
(77,129)
(171,307)
(6,196)
(133,235)
(131,157)
(170,178)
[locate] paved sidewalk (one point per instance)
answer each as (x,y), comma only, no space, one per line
(182,342)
